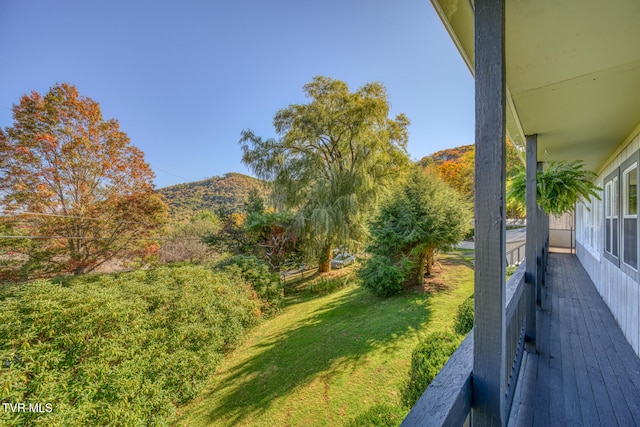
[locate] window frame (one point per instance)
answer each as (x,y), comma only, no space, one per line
(611,206)
(590,211)
(630,164)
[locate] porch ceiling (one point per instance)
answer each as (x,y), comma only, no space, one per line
(573,72)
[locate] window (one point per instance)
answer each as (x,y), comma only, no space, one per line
(611,213)
(589,230)
(630,216)
(621,216)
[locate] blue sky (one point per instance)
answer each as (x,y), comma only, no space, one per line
(184,78)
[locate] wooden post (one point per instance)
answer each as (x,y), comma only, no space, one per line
(532,242)
(489,367)
(540,248)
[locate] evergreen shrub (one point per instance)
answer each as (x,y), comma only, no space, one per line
(427,360)
(464,318)
(383,277)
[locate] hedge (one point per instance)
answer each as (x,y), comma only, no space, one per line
(121,350)
(427,360)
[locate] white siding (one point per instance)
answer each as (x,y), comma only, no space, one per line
(619,291)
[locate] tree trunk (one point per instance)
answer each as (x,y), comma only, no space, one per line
(325,259)
(80,269)
(430,254)
(422,259)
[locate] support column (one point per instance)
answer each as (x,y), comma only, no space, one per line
(540,249)
(489,367)
(532,242)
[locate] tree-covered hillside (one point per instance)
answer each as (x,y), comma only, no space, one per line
(447,155)
(228,192)
(456,165)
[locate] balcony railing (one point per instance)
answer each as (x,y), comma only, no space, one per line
(516,255)
(447,400)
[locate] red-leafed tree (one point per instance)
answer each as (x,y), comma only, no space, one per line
(73,177)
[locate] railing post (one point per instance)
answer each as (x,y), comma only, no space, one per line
(489,355)
(531,249)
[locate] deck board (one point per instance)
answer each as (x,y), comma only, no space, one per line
(585,372)
(556,378)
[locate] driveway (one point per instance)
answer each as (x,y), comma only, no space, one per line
(515,238)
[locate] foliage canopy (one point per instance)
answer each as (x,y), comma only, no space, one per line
(334,158)
(456,166)
(68,172)
(259,232)
(422,215)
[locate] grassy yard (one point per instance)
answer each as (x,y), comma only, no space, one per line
(326,359)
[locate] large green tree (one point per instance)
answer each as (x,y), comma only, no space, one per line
(73,180)
(422,215)
(334,157)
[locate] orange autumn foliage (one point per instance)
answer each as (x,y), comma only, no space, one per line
(456,166)
(68,172)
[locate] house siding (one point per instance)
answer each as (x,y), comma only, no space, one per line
(618,287)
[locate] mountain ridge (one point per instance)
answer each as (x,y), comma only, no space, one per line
(226,192)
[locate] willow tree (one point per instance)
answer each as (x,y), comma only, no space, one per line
(333,158)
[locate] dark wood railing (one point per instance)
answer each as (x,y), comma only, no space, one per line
(447,400)
(516,317)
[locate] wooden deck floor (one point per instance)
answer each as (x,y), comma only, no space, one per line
(585,372)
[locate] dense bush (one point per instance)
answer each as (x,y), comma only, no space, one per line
(464,319)
(118,350)
(426,361)
(258,275)
(382,276)
(381,415)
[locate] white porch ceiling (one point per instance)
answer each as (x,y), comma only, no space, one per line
(573,72)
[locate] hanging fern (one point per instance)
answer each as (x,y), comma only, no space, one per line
(559,186)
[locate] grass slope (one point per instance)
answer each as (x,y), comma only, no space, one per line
(324,360)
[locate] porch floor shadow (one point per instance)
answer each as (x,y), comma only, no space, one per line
(585,372)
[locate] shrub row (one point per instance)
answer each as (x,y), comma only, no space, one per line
(119,350)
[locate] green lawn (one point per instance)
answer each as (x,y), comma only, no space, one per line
(326,359)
